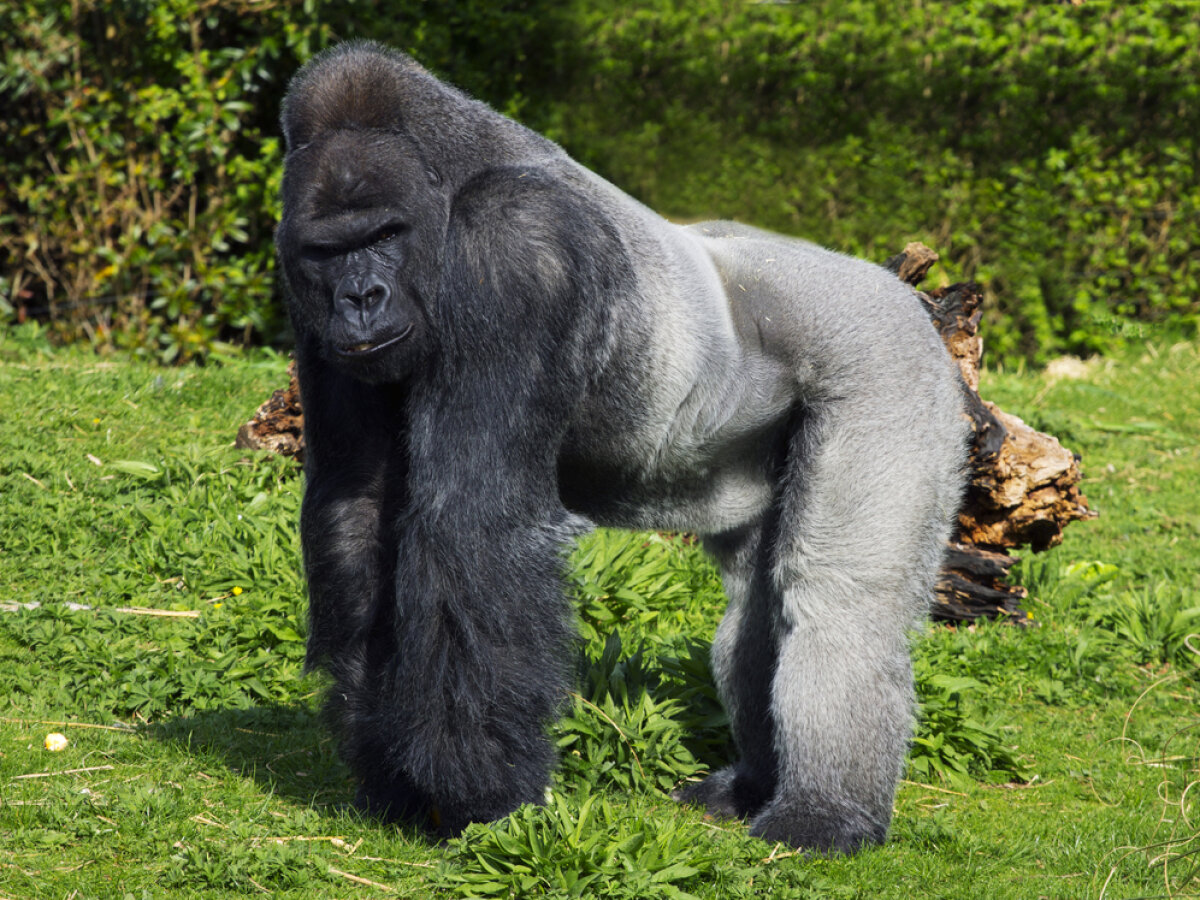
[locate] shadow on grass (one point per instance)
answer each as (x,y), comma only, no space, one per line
(285,749)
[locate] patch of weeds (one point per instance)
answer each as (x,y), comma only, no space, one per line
(594,850)
(250,868)
(1064,586)
(687,675)
(953,742)
(1064,659)
(114,664)
(1157,624)
(635,581)
(619,579)
(619,733)
(600,849)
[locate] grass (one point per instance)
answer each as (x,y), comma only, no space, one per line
(1057,761)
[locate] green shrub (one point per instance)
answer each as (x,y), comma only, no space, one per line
(1048,151)
(142,167)
(954,745)
(1157,624)
(618,733)
(560,850)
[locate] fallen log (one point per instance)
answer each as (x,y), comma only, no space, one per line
(1024,485)
(277,425)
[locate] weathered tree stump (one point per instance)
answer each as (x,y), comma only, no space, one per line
(278,425)
(1024,485)
(1023,490)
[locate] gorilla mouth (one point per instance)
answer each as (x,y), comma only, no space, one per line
(370,348)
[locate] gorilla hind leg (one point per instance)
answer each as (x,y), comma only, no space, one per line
(812,657)
(820,717)
(855,554)
(842,703)
(744,639)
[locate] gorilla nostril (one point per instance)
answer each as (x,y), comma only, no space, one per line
(347,303)
(356,298)
(374,295)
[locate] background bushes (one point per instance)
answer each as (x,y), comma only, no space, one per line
(1047,150)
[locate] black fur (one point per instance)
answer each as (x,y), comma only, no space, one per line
(433,533)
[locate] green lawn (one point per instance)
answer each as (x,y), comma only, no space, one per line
(1053,761)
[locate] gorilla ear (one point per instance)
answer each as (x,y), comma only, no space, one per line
(354,85)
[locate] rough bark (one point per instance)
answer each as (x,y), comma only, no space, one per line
(277,425)
(1024,485)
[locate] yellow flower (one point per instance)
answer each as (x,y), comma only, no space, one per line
(236,590)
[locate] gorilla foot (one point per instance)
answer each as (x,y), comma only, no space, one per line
(823,827)
(725,794)
(398,801)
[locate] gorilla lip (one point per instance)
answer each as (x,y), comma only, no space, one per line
(366,348)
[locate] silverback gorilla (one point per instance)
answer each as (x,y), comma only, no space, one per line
(497,349)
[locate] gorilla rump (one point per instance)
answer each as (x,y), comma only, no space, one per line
(497,349)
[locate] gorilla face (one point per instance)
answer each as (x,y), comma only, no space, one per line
(362,224)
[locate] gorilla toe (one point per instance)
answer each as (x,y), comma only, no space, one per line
(725,794)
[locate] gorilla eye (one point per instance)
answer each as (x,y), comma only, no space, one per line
(318,252)
(387,232)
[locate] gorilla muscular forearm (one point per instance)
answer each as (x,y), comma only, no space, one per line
(485,631)
(354,478)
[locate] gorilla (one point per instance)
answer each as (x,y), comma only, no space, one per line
(498,349)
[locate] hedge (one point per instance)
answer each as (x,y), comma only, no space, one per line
(1046,150)
(141,163)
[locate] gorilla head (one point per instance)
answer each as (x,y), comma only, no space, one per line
(376,150)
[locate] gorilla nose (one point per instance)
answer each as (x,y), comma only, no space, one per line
(360,298)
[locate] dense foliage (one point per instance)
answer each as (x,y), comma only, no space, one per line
(1046,150)
(141,160)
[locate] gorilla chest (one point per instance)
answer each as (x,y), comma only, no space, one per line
(708,495)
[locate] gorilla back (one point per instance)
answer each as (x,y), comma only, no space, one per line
(497,348)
